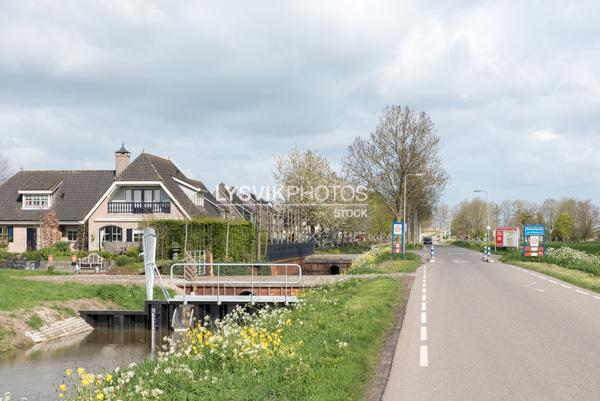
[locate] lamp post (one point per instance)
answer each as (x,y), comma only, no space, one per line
(404,210)
(488,228)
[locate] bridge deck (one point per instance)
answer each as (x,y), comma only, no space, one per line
(235,298)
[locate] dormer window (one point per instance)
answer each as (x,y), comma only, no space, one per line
(36,201)
(199,199)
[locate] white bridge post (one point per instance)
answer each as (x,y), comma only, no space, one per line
(149,243)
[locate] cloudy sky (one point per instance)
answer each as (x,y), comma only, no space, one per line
(222,87)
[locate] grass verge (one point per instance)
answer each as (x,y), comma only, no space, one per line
(575,277)
(326,349)
(388,263)
(16,293)
(344,249)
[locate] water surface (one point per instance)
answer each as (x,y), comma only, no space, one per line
(36,372)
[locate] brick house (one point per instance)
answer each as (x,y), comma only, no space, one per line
(99,209)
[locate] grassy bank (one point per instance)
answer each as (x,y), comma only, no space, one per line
(327,349)
(389,264)
(29,305)
(17,293)
(575,277)
(380,260)
(351,249)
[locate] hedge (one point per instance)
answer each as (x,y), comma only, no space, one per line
(207,234)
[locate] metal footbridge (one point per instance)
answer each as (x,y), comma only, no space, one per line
(207,282)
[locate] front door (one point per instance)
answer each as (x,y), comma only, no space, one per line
(31,239)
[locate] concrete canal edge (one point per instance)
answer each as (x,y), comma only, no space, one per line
(59,329)
(378,383)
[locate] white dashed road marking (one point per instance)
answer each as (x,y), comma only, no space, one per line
(582,292)
(424,359)
(423,333)
(423,306)
(423,317)
(565,286)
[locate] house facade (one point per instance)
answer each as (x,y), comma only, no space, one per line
(102,209)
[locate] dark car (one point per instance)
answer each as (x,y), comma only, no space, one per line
(427,241)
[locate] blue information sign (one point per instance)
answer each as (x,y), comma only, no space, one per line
(534,229)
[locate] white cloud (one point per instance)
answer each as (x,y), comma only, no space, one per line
(544,135)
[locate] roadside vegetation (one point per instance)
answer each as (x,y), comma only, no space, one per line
(350,249)
(326,348)
(381,260)
(562,261)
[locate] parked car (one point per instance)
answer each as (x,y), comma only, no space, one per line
(427,241)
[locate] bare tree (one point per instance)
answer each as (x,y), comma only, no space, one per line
(6,170)
(403,142)
(586,219)
(441,216)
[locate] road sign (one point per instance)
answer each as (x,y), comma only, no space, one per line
(397,234)
(534,239)
(534,229)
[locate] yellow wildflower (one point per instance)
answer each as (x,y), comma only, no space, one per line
(80,371)
(69,372)
(62,388)
(100,396)
(108,377)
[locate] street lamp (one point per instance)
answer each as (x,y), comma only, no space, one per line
(488,228)
(404,210)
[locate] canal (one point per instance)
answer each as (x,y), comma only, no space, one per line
(36,372)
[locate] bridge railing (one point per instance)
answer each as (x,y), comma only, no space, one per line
(224,275)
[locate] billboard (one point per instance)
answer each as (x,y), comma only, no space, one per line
(507,237)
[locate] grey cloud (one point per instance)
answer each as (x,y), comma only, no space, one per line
(222,87)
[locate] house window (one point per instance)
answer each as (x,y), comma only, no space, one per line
(199,199)
(36,201)
(112,234)
(138,235)
(6,234)
(72,234)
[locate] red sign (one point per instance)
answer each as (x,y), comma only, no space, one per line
(507,237)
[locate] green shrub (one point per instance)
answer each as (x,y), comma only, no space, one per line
(133,252)
(123,260)
(207,234)
(35,322)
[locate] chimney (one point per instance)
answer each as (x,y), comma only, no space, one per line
(121,159)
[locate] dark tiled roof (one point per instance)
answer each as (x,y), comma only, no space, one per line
(42,182)
(147,167)
(74,198)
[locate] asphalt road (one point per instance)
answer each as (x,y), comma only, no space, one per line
(478,331)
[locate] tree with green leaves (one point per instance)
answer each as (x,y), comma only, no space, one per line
(563,227)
